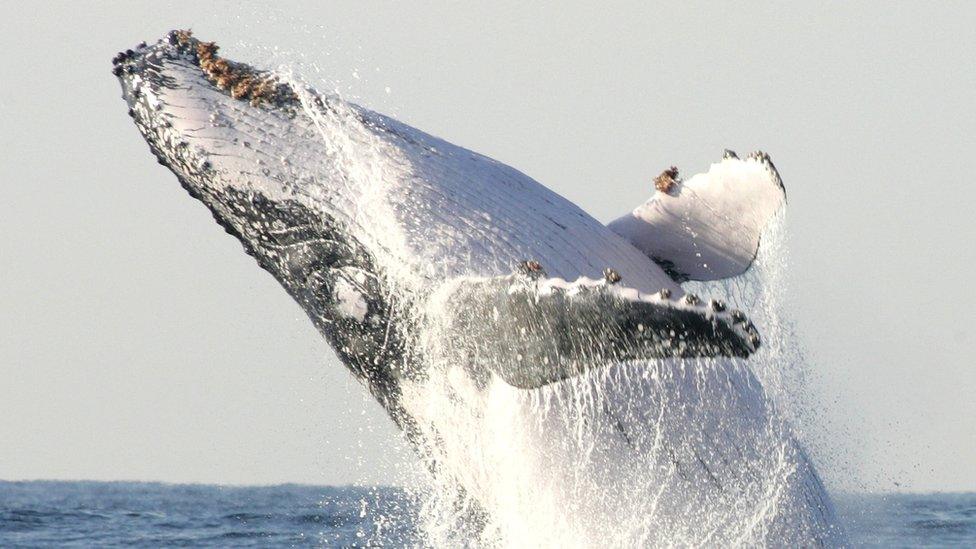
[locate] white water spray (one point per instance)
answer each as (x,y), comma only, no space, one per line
(646,453)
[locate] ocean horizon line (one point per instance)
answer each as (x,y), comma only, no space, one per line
(354,486)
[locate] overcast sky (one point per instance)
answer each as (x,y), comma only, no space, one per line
(137,341)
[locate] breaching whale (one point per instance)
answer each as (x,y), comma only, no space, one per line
(549,367)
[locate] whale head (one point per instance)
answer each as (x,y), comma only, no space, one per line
(236,139)
(212,123)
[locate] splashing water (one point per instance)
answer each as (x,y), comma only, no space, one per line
(779,363)
(647,453)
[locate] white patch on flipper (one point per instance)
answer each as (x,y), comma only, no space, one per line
(709,226)
(351,303)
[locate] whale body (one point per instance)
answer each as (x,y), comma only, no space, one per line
(550,369)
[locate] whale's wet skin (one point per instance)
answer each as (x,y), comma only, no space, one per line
(551,371)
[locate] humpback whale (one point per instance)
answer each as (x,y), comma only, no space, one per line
(550,369)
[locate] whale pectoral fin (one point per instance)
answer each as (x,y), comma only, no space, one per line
(708,227)
(532,332)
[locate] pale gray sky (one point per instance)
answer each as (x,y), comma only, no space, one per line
(137,341)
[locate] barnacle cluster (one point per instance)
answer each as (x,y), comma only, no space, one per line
(241,81)
(666,181)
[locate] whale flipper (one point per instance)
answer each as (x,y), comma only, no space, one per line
(708,227)
(532,331)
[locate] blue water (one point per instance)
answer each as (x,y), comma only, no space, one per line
(85,514)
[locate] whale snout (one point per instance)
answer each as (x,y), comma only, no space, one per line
(234,136)
(217,124)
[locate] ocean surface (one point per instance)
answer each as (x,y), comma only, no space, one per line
(105,514)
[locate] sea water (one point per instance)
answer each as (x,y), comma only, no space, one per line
(106,514)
